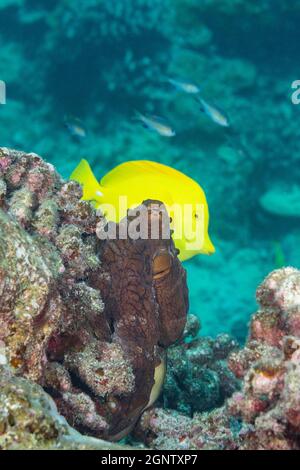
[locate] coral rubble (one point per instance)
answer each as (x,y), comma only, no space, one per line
(103,363)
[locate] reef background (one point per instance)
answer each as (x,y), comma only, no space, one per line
(99,60)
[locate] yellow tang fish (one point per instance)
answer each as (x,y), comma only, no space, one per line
(131,183)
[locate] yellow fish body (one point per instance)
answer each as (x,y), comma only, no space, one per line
(136,181)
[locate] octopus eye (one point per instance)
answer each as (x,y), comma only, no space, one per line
(161,266)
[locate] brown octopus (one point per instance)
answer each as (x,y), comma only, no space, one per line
(118,371)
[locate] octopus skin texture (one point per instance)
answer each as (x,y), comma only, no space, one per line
(146,303)
(88,319)
(143,287)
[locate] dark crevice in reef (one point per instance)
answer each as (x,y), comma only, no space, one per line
(80,386)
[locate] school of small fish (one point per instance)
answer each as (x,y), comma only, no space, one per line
(162,127)
(156,123)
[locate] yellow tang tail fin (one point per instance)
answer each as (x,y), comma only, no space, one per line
(83,174)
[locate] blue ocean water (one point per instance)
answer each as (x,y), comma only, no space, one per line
(94,62)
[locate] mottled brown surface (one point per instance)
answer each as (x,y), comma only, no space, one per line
(147,304)
(143,286)
(87,319)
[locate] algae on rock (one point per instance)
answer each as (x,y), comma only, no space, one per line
(29,420)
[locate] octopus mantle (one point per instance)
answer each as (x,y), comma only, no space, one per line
(87,319)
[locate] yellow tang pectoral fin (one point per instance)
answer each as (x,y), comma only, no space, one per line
(83,174)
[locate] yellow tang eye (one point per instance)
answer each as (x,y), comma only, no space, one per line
(196,216)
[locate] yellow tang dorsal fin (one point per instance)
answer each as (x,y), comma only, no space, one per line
(92,190)
(125,171)
(135,169)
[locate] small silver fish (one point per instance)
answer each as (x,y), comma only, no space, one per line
(184,85)
(75,128)
(213,113)
(156,124)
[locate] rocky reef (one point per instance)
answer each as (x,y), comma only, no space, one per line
(265,413)
(103,363)
(198,377)
(29,420)
(86,323)
(99,61)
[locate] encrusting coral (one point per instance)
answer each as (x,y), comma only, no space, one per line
(29,420)
(198,377)
(265,413)
(270,366)
(103,363)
